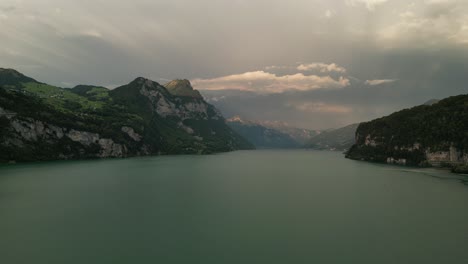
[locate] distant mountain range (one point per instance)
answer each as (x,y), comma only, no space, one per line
(301,135)
(432,134)
(261,136)
(43,122)
(334,139)
(276,134)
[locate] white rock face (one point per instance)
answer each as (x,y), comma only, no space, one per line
(164,108)
(54,130)
(33,130)
(84,138)
(194,109)
(370,141)
(30,131)
(131,133)
(186,128)
(160,104)
(111,149)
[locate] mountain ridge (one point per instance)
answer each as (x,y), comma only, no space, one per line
(44,122)
(261,136)
(425,135)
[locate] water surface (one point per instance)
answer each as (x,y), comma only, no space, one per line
(241,207)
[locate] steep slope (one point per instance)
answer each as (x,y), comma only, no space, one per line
(261,136)
(43,122)
(336,139)
(435,134)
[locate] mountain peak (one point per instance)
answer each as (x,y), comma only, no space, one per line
(140,80)
(145,81)
(182,87)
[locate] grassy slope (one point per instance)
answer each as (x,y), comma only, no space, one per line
(62,99)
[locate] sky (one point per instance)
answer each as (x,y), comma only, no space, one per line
(311,63)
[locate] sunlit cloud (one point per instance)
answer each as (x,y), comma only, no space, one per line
(91,33)
(379,82)
(265,82)
(320,107)
(321,67)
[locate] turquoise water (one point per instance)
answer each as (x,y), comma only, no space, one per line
(241,207)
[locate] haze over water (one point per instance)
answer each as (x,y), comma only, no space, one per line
(241,207)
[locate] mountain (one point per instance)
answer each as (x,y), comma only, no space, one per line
(43,122)
(335,139)
(261,136)
(182,88)
(301,135)
(426,135)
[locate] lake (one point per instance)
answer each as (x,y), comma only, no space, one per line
(268,206)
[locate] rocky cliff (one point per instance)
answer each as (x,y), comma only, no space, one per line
(427,135)
(43,122)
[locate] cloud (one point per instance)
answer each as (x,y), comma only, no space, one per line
(379,82)
(370,4)
(321,67)
(320,107)
(276,67)
(91,33)
(265,82)
(441,22)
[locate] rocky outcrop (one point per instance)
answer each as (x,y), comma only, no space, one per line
(194,108)
(131,133)
(27,131)
(110,149)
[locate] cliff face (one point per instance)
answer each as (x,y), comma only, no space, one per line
(427,135)
(42,122)
(37,138)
